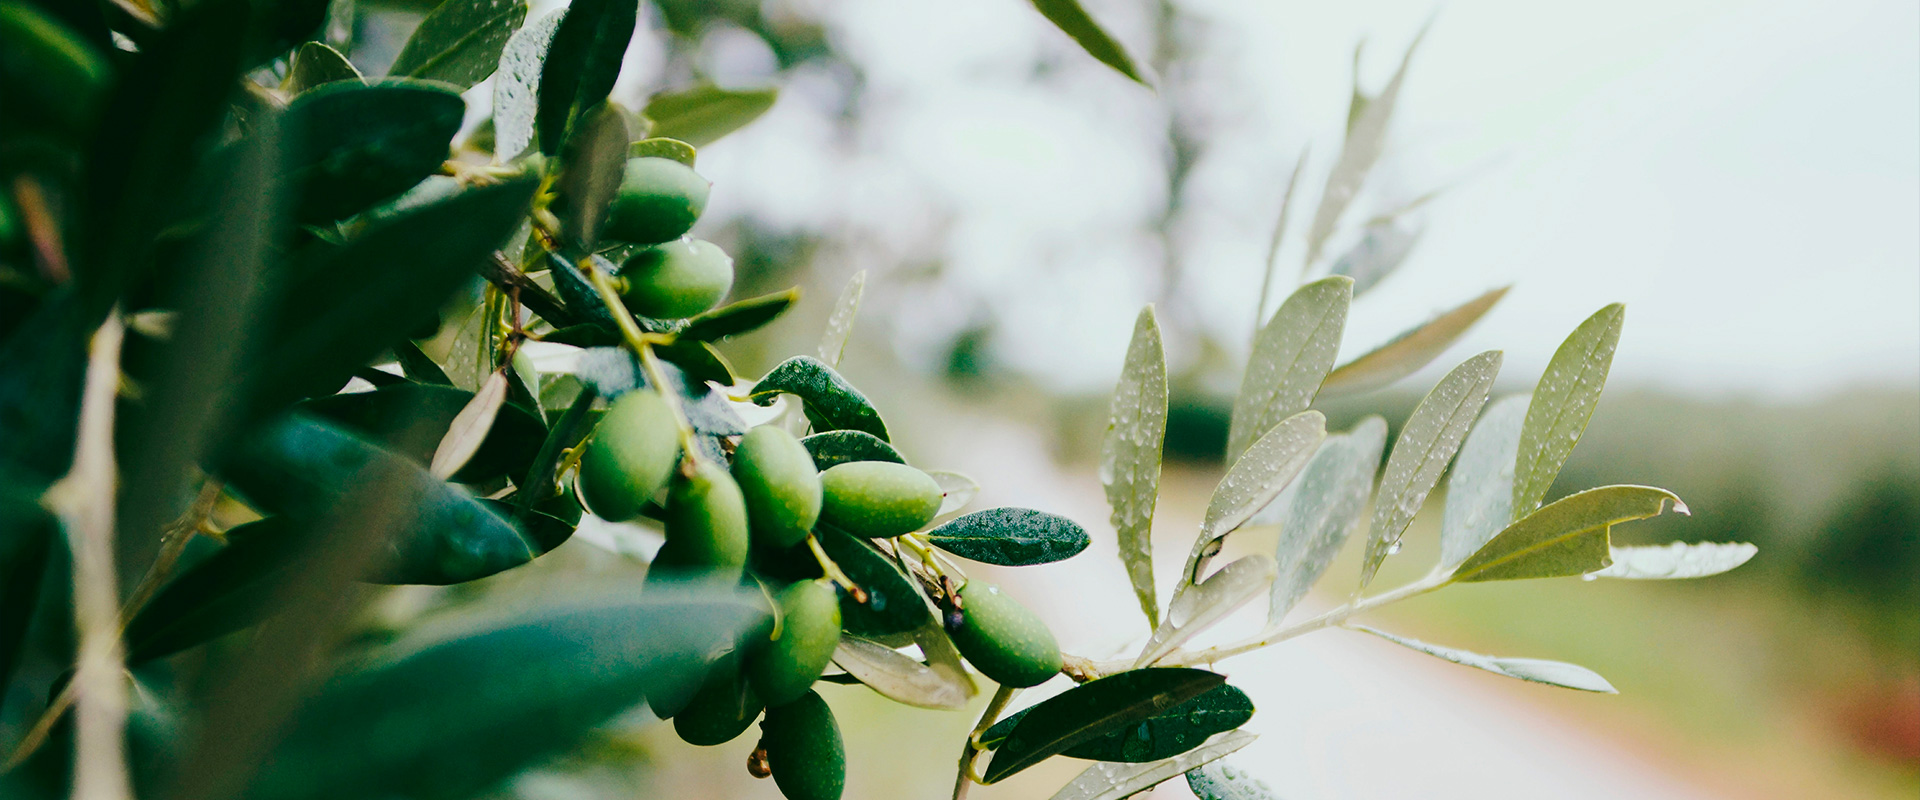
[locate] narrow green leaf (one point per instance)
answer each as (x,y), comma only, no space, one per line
(1279,236)
(1407,353)
(833,343)
(898,677)
(1107,782)
(893,603)
(1366,138)
(1163,735)
(314,64)
(460,42)
(231,590)
(699,360)
(1221,781)
(701,115)
(1431,436)
(418,367)
(1676,561)
(595,161)
(1203,605)
(1480,490)
(581,64)
(567,432)
(470,427)
(739,317)
(516,89)
(958,490)
(1382,248)
(834,448)
(1130,456)
(1092,710)
(1011,537)
(1253,482)
(831,402)
(662,147)
(354,145)
(1075,22)
(1562,405)
(389,415)
(1552,673)
(1564,537)
(1326,508)
(1291,357)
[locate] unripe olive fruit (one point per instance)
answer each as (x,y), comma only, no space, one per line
(878,499)
(677,279)
(723,708)
(785,667)
(658,201)
(1002,639)
(804,750)
(780,483)
(630,455)
(706,523)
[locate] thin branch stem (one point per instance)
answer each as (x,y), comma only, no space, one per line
(834,572)
(971,750)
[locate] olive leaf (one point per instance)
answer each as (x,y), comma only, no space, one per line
(1431,436)
(1330,496)
(230,590)
(457,712)
(739,317)
(389,415)
(898,677)
(1291,356)
(516,87)
(833,342)
(834,448)
(1562,405)
(1411,350)
(1676,560)
(1011,537)
(699,360)
(831,402)
(1130,455)
(1163,735)
(1382,248)
(355,144)
(581,63)
(1075,22)
(956,490)
(314,64)
(418,367)
(1480,490)
(701,115)
(1564,537)
(470,427)
(1092,710)
(27,533)
(595,161)
(1221,781)
(1552,673)
(1252,483)
(894,604)
(460,41)
(1108,782)
(662,147)
(1366,138)
(1206,603)
(1279,236)
(567,432)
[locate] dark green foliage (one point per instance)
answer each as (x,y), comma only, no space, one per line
(1163,735)
(581,64)
(834,448)
(1012,537)
(832,403)
(1093,710)
(233,589)
(893,605)
(27,534)
(739,317)
(356,144)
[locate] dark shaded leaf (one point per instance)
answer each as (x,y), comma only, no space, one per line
(1011,537)
(1070,18)
(701,115)
(386,415)
(354,145)
(893,604)
(567,432)
(46,364)
(460,42)
(1163,735)
(27,534)
(419,368)
(834,448)
(698,360)
(737,318)
(831,402)
(581,64)
(228,591)
(595,162)
(315,64)
(1092,710)
(275,26)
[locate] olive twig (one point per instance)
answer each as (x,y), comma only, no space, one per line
(173,541)
(942,564)
(834,572)
(971,751)
(642,346)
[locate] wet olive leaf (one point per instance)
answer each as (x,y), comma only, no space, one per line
(1432,435)
(1163,735)
(741,317)
(595,161)
(1553,673)
(834,448)
(957,491)
(1480,490)
(580,65)
(831,402)
(314,64)
(699,360)
(460,41)
(1562,405)
(1291,356)
(898,677)
(1331,494)
(1564,537)
(1410,351)
(893,604)
(1382,248)
(701,115)
(1205,604)
(1676,560)
(1116,781)
(1075,22)
(1252,483)
(354,144)
(1092,710)
(1130,455)
(395,416)
(663,147)
(1222,781)
(1366,138)
(833,342)
(470,427)
(1011,537)
(516,88)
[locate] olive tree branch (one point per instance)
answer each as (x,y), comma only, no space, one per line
(971,750)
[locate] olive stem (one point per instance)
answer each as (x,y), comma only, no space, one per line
(931,558)
(972,749)
(173,542)
(833,571)
(642,346)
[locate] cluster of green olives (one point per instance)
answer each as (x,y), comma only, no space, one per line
(672,276)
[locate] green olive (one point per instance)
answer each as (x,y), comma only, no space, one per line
(785,667)
(706,524)
(630,455)
(878,499)
(60,76)
(677,279)
(804,751)
(658,201)
(782,487)
(723,708)
(1004,640)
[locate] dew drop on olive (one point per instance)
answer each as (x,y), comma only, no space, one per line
(804,750)
(878,499)
(785,667)
(1003,639)
(781,485)
(676,279)
(630,455)
(723,708)
(658,201)
(706,523)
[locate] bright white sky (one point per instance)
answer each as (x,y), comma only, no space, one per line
(1744,175)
